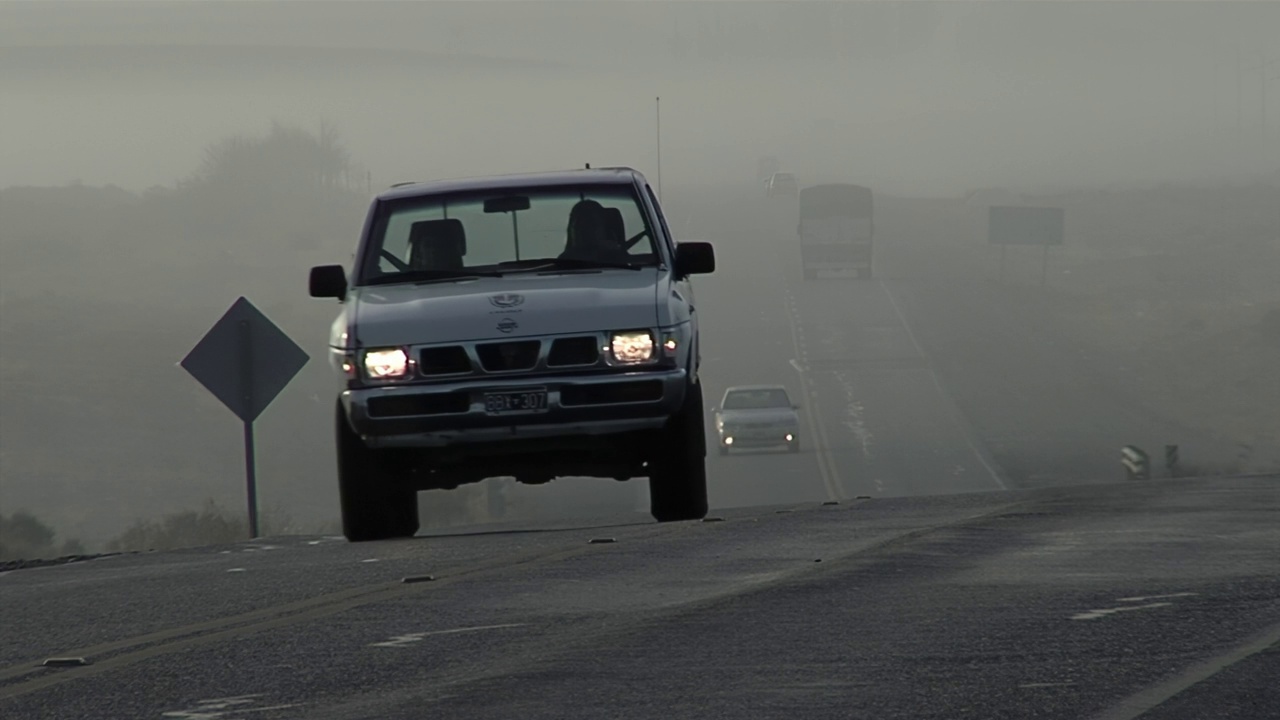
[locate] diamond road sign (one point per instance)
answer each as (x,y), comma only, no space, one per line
(245,360)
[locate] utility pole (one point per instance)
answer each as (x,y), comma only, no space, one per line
(657,106)
(1262,67)
(1239,103)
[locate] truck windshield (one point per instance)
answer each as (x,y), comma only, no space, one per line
(835,201)
(756,399)
(509,230)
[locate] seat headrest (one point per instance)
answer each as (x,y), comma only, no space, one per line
(617,227)
(440,233)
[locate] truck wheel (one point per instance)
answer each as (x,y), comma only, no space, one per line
(678,474)
(377,502)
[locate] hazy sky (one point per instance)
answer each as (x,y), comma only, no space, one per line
(916,97)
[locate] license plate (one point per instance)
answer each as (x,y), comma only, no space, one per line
(515,402)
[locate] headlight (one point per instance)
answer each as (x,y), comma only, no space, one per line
(632,347)
(386,363)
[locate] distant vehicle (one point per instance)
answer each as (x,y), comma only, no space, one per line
(835,229)
(765,168)
(758,416)
(528,326)
(781,184)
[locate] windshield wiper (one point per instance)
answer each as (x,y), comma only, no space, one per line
(571,264)
(429,276)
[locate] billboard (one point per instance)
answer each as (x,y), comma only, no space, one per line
(1025,225)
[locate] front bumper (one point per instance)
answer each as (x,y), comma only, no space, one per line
(446,414)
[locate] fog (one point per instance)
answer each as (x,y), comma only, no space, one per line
(127,224)
(928,98)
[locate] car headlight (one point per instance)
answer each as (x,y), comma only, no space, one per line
(386,363)
(632,347)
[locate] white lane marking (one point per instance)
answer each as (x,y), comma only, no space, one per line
(403,640)
(854,420)
(937,383)
(235,570)
(370,560)
(1139,704)
(1095,614)
(796,365)
(826,464)
(223,708)
(1046,684)
(1156,597)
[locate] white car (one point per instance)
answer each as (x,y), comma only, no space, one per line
(531,326)
(757,416)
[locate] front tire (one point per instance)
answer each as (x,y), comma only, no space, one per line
(376,500)
(678,472)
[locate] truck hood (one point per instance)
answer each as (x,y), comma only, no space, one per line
(776,416)
(506,307)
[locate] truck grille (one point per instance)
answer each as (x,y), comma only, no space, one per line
(583,350)
(509,356)
(450,360)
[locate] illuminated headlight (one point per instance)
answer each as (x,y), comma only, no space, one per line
(632,347)
(386,363)
(728,440)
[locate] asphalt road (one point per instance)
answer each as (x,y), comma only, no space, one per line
(934,589)
(1153,600)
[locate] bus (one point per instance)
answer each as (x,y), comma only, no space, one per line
(835,229)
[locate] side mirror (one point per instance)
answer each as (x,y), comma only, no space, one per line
(695,258)
(328,281)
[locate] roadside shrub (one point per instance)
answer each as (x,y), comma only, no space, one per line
(210,525)
(24,537)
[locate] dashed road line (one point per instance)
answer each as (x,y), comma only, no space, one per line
(411,638)
(826,463)
(1095,614)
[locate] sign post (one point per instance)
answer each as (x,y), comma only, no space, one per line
(245,361)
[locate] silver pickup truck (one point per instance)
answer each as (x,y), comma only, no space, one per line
(529,326)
